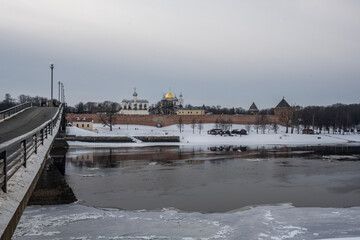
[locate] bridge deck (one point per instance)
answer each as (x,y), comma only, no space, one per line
(25,122)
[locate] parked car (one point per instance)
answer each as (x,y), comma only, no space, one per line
(307,131)
(215,131)
(227,132)
(239,132)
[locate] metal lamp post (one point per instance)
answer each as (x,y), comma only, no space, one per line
(59,99)
(52,80)
(62,92)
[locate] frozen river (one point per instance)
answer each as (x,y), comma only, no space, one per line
(202,193)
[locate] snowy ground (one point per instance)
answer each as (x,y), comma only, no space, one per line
(187,137)
(75,221)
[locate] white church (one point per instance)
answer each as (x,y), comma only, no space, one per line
(135,106)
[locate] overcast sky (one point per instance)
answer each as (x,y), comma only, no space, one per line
(224,52)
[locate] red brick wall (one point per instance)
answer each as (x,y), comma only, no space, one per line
(166,120)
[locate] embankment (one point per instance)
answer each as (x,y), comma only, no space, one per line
(167,120)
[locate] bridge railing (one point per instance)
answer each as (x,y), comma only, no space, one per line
(16,152)
(10,111)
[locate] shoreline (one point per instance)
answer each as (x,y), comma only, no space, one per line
(189,137)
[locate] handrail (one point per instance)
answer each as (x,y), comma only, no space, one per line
(11,161)
(8,112)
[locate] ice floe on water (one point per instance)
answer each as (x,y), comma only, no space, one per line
(343,157)
(75,221)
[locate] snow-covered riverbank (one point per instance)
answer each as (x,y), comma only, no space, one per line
(188,137)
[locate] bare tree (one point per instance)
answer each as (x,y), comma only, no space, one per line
(285,118)
(229,124)
(263,123)
(180,124)
(248,128)
(91,107)
(295,119)
(258,123)
(217,123)
(24,98)
(223,125)
(108,113)
(275,126)
(80,107)
(200,126)
(193,125)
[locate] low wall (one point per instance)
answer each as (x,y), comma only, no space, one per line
(123,139)
(166,120)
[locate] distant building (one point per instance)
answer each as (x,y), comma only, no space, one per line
(191,111)
(253,110)
(169,104)
(84,123)
(282,107)
(135,106)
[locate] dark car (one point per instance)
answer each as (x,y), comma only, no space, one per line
(228,133)
(307,131)
(215,132)
(239,132)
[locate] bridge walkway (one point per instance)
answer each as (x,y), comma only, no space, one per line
(26,141)
(24,122)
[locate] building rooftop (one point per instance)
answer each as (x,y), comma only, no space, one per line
(283,104)
(82,119)
(253,107)
(169,95)
(191,108)
(138,101)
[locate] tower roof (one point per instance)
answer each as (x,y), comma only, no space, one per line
(283,104)
(169,95)
(135,93)
(253,107)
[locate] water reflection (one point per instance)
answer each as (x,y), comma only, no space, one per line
(112,157)
(203,179)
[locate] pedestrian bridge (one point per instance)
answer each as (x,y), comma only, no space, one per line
(26,138)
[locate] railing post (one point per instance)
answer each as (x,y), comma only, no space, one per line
(36,143)
(42,136)
(51,128)
(3,156)
(24,144)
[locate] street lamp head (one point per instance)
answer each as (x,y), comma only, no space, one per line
(51,65)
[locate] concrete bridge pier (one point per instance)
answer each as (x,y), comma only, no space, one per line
(52,187)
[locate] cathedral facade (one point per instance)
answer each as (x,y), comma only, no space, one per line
(135,106)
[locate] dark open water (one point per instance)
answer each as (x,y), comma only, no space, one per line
(201,179)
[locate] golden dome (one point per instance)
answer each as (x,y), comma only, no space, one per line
(169,95)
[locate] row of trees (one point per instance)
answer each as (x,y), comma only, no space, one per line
(336,118)
(9,102)
(93,107)
(194,125)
